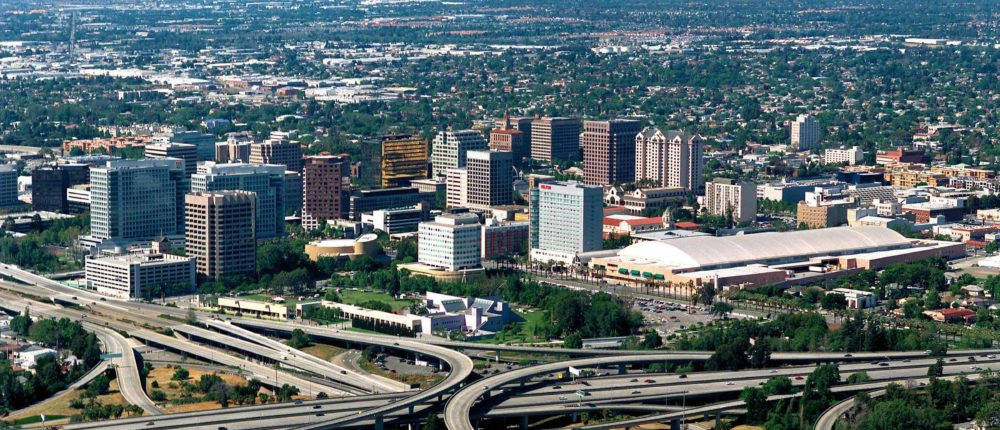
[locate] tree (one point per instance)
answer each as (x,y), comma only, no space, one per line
(936,369)
(191,318)
(721,309)
(778,385)
(21,324)
(180,374)
(858,378)
(573,341)
(932,300)
(756,404)
(834,301)
(99,385)
(299,339)
(705,294)
(157,396)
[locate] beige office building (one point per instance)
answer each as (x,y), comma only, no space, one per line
(219,232)
(724,196)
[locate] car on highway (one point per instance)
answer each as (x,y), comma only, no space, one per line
(556,387)
(799,378)
(649,381)
(633,380)
(730,383)
(562,397)
(636,392)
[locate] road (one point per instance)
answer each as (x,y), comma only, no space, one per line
(302,360)
(833,414)
(458,411)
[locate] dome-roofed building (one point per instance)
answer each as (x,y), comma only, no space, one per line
(765,258)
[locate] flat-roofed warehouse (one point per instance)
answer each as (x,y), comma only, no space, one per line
(766,258)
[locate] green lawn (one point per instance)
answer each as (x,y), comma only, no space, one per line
(531,330)
(353,297)
(289,302)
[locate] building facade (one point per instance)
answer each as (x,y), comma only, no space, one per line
(451,242)
(277,151)
(220,232)
(673,159)
(511,139)
(183,151)
(450,148)
(850,156)
(137,199)
(267,182)
(322,188)
(609,151)
(725,197)
(8,185)
(504,239)
(404,159)
(570,217)
(490,178)
(555,138)
(138,275)
(804,133)
(362,201)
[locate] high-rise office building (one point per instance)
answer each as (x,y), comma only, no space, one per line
(672,159)
(555,138)
(404,159)
(293,191)
(490,178)
(449,149)
(609,151)
(457,188)
(49,185)
(322,187)
(805,133)
(183,151)
(8,185)
(134,200)
(220,232)
(450,242)
(570,220)
(277,151)
(726,197)
(510,139)
(232,152)
(363,201)
(534,180)
(267,182)
(204,143)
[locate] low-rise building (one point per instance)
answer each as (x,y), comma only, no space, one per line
(851,156)
(138,275)
(962,315)
(857,299)
(366,245)
(504,238)
(398,220)
(259,309)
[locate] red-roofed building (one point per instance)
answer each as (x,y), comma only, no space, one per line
(952,315)
(686,225)
(622,225)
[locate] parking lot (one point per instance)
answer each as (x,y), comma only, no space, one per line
(666,317)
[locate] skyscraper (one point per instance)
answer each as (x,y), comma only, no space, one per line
(450,147)
(555,138)
(267,182)
(726,197)
(8,185)
(183,151)
(49,184)
(134,200)
(322,187)
(490,178)
(510,139)
(570,220)
(277,151)
(534,180)
(804,133)
(220,232)
(204,143)
(673,159)
(609,151)
(404,158)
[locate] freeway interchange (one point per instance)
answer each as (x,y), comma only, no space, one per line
(361,400)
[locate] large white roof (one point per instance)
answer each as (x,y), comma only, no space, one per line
(712,252)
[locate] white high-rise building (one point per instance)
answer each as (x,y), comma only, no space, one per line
(457,188)
(450,148)
(850,156)
(672,159)
(725,196)
(137,199)
(805,133)
(137,275)
(450,242)
(570,217)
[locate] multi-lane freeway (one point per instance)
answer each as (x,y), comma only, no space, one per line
(518,393)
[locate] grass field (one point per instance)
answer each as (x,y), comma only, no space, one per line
(530,331)
(353,297)
(323,351)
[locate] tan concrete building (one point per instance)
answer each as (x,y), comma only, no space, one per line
(821,216)
(725,196)
(366,245)
(219,232)
(277,151)
(555,139)
(322,187)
